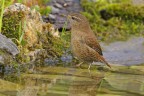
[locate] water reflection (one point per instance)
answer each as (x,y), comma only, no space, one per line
(60,81)
(133,84)
(69,82)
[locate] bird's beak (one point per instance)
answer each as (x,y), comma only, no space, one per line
(67,16)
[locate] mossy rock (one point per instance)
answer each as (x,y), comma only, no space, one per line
(30,33)
(11,24)
(6,58)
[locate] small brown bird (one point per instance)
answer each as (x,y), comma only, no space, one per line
(83,41)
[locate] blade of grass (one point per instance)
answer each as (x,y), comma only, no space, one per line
(63,35)
(64,29)
(21,33)
(2,11)
(20,30)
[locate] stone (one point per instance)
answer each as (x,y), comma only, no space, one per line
(62,7)
(51,16)
(58,5)
(45,18)
(137,2)
(126,53)
(8,45)
(69,0)
(54,10)
(70,3)
(8,50)
(30,33)
(1,60)
(61,2)
(31,22)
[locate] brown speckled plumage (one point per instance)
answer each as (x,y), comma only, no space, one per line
(83,41)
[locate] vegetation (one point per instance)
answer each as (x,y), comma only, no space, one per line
(115,20)
(1,12)
(39,5)
(11,25)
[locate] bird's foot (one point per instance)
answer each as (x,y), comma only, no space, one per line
(79,65)
(89,66)
(89,69)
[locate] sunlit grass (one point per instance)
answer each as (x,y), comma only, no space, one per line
(2,11)
(111,22)
(19,1)
(21,33)
(65,36)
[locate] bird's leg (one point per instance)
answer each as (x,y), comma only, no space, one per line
(89,66)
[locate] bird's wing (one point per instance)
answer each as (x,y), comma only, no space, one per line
(92,42)
(94,55)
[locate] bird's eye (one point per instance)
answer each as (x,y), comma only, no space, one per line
(76,18)
(73,18)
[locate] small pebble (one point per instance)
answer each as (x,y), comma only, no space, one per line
(55,10)
(57,5)
(51,16)
(65,4)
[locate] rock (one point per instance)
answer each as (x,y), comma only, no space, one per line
(60,2)
(45,18)
(55,10)
(69,0)
(30,33)
(125,52)
(60,23)
(1,60)
(8,45)
(51,16)
(137,2)
(70,4)
(18,15)
(58,5)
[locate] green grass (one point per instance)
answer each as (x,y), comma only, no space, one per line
(65,37)
(120,20)
(19,1)
(1,13)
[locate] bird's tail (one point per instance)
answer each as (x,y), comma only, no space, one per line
(104,61)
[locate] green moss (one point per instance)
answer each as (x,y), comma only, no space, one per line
(45,10)
(11,24)
(54,46)
(114,21)
(2,52)
(125,11)
(7,3)
(12,28)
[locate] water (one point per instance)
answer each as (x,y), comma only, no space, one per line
(64,81)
